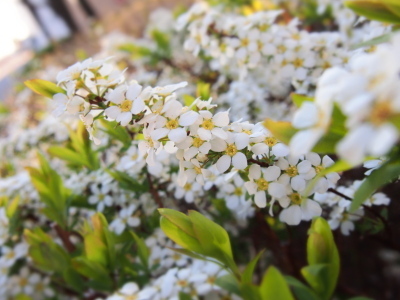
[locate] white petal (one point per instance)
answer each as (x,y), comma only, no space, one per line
(112,112)
(223,163)
(291,215)
(177,135)
(298,183)
(204,134)
(221,119)
(260,148)
(310,209)
(306,116)
(272,173)
(239,161)
(304,166)
(138,106)
(133,91)
(159,133)
(280,150)
(251,187)
(241,140)
(314,158)
(276,189)
(260,199)
(188,118)
(255,171)
(303,141)
(383,139)
(124,118)
(220,133)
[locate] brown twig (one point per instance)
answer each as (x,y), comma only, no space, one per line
(260,163)
(64,236)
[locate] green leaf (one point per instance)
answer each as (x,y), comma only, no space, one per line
(299,99)
(323,267)
(229,283)
(203,90)
(282,130)
(12,207)
(142,249)
(92,270)
(198,234)
(375,41)
(117,132)
(380,10)
(274,286)
(135,50)
(188,99)
(188,253)
(301,291)
(44,88)
(386,173)
(127,182)
(251,292)
(247,275)
(73,279)
(45,253)
(184,296)
(67,155)
(314,274)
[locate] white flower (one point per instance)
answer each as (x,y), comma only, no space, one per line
(130,291)
(100,196)
(300,209)
(129,101)
(210,125)
(125,217)
(261,181)
(231,149)
(296,171)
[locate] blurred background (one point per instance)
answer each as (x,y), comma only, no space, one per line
(60,27)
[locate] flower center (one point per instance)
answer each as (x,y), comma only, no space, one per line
(197,142)
(182,283)
(101,197)
(176,257)
(295,198)
(238,191)
(23,281)
(271,141)
(197,169)
(126,105)
(298,62)
(187,187)
(231,150)
(172,124)
(380,113)
(208,124)
(211,280)
(292,171)
(262,184)
(318,169)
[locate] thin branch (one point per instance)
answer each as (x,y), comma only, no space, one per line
(64,236)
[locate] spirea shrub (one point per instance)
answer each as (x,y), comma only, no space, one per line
(181,164)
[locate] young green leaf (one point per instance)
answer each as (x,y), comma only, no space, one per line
(274,286)
(247,275)
(301,291)
(282,130)
(44,88)
(378,178)
(323,267)
(142,249)
(379,10)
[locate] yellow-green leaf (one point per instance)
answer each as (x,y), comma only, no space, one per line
(282,130)
(274,286)
(380,10)
(43,87)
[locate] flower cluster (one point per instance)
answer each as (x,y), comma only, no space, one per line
(367,93)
